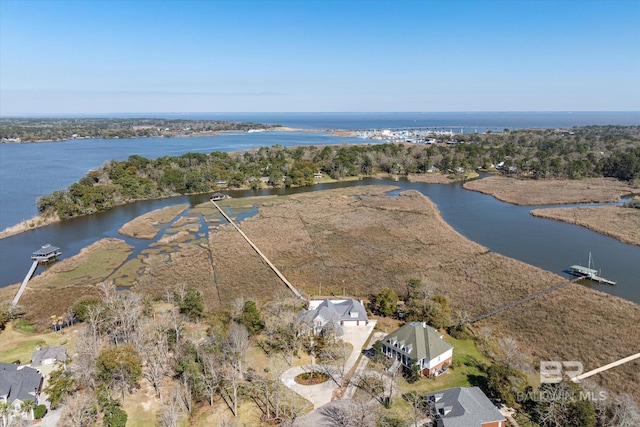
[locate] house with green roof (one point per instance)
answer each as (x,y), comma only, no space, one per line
(419,343)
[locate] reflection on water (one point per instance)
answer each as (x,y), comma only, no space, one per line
(503,228)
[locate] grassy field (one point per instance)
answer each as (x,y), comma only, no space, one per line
(19,345)
(615,221)
(466,370)
(548,191)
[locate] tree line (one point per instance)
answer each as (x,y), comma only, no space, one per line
(33,130)
(588,152)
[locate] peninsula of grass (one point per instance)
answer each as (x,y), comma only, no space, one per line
(618,222)
(148,225)
(311,378)
(531,192)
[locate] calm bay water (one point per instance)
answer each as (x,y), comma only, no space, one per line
(30,170)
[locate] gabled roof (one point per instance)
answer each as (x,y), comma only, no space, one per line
(419,341)
(349,309)
(50,352)
(464,407)
(19,382)
(336,310)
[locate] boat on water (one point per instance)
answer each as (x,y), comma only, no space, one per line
(219,196)
(589,273)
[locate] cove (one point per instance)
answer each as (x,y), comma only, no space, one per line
(503,228)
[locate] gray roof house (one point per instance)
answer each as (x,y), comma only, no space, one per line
(17,384)
(419,343)
(465,407)
(326,314)
(48,355)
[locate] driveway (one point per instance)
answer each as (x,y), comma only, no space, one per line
(321,394)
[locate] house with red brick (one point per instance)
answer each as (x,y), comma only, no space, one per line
(419,343)
(464,407)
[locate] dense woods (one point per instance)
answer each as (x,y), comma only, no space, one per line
(609,151)
(33,130)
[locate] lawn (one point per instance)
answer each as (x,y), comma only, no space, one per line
(466,372)
(19,345)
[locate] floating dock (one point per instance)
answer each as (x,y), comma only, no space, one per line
(589,273)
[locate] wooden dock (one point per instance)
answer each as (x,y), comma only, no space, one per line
(589,273)
(16,299)
(523,300)
(255,248)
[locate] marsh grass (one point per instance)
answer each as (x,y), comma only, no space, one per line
(618,222)
(550,191)
(358,241)
(148,225)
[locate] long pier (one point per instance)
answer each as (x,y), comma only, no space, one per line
(605,367)
(16,299)
(522,301)
(255,248)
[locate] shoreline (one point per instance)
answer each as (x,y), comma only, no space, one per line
(617,222)
(336,132)
(333,238)
(529,192)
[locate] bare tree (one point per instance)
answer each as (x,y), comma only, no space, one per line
(234,349)
(172,410)
(79,410)
(237,306)
(212,373)
(350,413)
(379,386)
(509,347)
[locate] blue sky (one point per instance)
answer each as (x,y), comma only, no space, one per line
(119,56)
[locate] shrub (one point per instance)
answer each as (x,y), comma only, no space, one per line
(39,411)
(80,308)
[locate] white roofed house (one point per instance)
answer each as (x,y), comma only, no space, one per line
(419,343)
(327,314)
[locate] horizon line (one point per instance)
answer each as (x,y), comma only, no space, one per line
(8,115)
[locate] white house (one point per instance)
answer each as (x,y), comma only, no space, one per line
(419,343)
(18,384)
(326,313)
(48,356)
